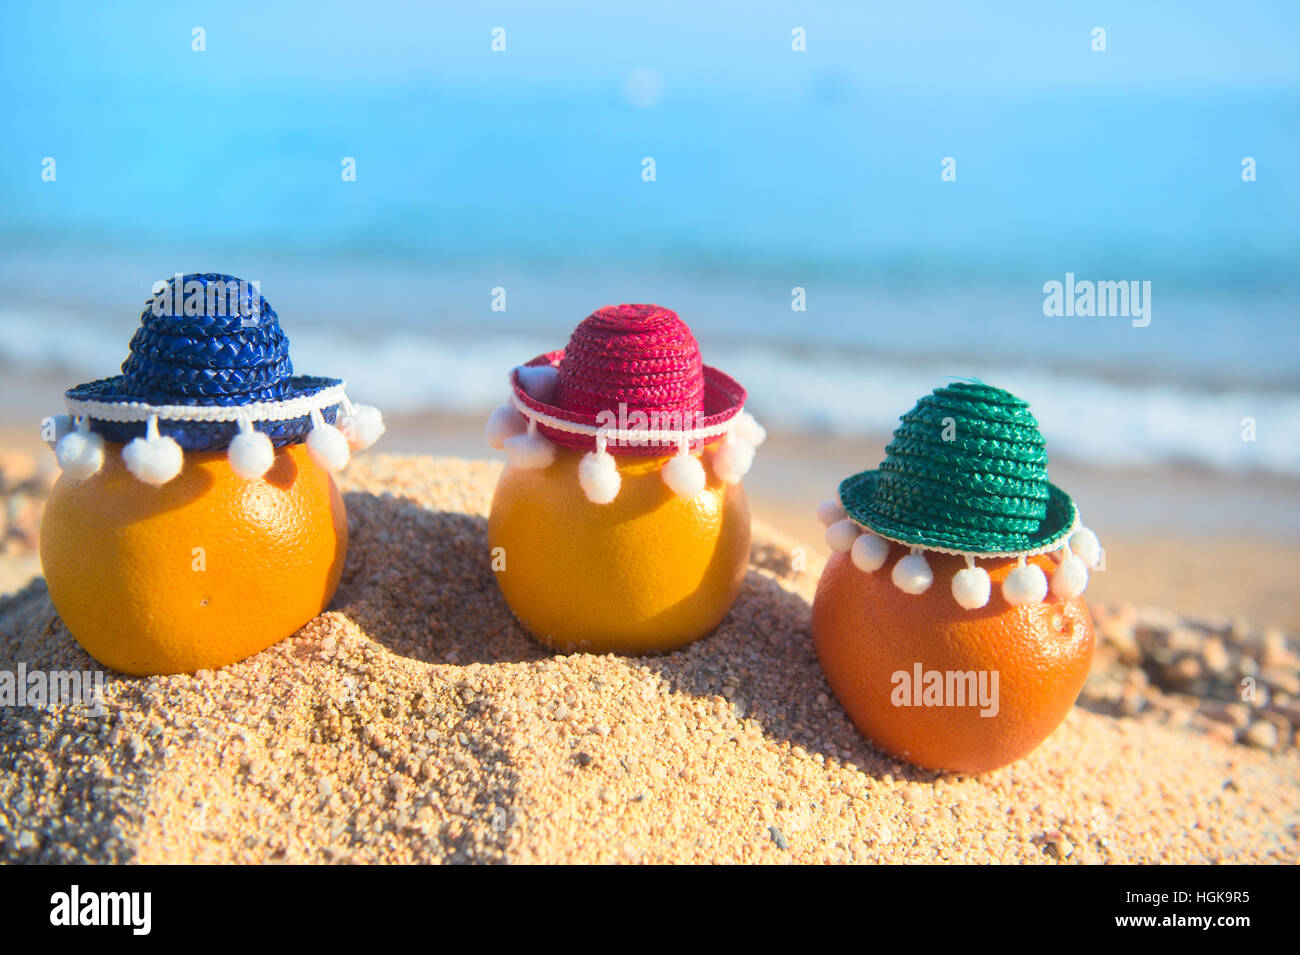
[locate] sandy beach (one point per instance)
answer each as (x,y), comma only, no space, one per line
(416,721)
(848,241)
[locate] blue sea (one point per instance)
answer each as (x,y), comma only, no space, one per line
(773,171)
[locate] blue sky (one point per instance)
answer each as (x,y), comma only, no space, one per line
(741,46)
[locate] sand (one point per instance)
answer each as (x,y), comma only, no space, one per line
(417,722)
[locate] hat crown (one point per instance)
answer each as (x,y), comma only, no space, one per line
(968,458)
(642,357)
(212,336)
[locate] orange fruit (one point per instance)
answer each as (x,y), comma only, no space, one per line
(648,571)
(203,571)
(867,631)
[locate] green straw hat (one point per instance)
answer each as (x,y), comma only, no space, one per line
(965,474)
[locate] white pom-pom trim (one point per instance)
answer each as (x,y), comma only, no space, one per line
(530,451)
(598,474)
(1070,578)
(749,430)
(684,473)
(828,512)
(841,535)
(154,459)
(635,436)
(503,423)
(80,453)
(538,381)
(869,552)
(326,444)
(251,453)
(732,461)
(1084,543)
(362,425)
(971,586)
(912,575)
(1026,584)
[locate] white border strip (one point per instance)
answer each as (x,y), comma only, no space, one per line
(626,438)
(287,410)
(1049,549)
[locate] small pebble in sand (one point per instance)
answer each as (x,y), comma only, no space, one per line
(1287,711)
(1215,656)
(1281,680)
(1261,734)
(1275,649)
(1233,714)
(1183,671)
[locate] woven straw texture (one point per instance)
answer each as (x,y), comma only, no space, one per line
(985,491)
(641,357)
(219,356)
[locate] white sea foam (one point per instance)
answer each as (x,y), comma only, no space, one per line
(1105,423)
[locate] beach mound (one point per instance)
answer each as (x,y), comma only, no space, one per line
(417,722)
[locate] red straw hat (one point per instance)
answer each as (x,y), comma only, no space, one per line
(630,382)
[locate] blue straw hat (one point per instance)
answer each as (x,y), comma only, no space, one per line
(209,370)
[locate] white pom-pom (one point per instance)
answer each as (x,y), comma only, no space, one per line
(971,587)
(327,445)
(599,477)
(362,425)
(841,535)
(749,430)
(80,453)
(538,381)
(251,454)
(1070,578)
(154,459)
(1084,543)
(685,475)
(732,461)
(530,451)
(869,552)
(56,426)
(504,422)
(828,512)
(912,575)
(1026,584)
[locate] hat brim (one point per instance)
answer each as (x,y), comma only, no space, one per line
(858,492)
(724,399)
(207,422)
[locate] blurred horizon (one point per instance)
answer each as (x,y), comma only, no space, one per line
(775,169)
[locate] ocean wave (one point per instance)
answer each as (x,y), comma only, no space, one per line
(1098,421)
